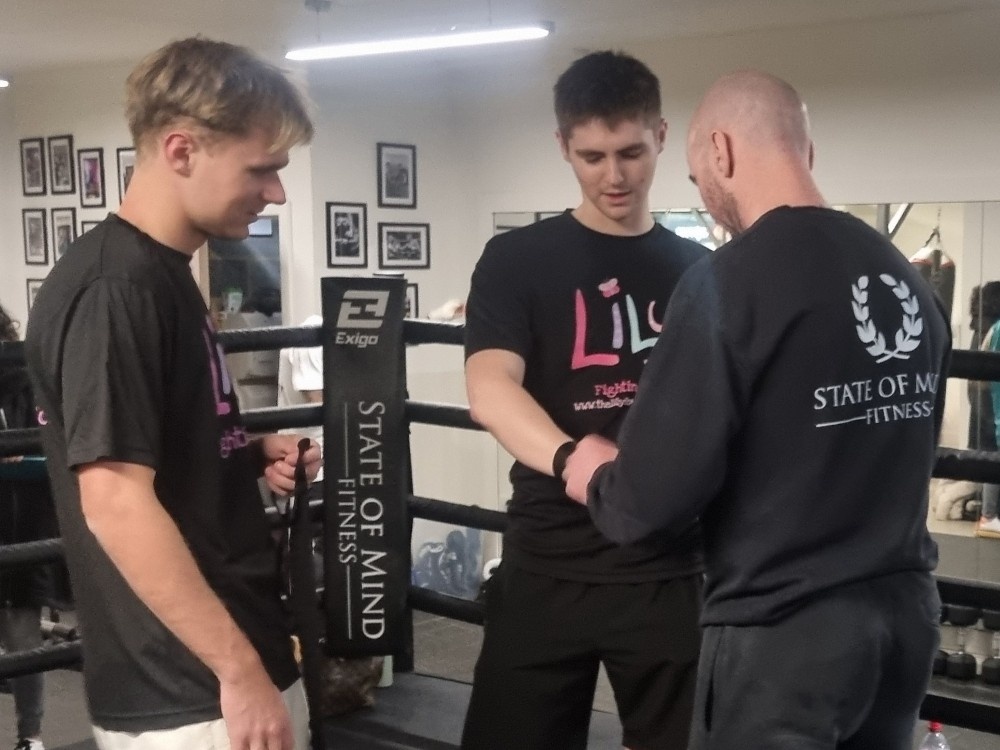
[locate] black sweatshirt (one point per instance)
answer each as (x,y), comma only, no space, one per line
(799,421)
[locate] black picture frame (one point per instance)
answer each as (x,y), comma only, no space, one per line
(86,226)
(404,245)
(412,309)
(63,230)
(36,237)
(33,180)
(31,287)
(90,163)
(346,235)
(397,175)
(125,158)
(62,180)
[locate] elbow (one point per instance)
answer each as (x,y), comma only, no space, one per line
(479,413)
(476,414)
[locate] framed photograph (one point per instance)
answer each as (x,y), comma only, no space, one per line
(346,235)
(91,163)
(397,175)
(61,165)
(36,239)
(126,166)
(32,166)
(412,301)
(404,245)
(86,226)
(33,285)
(63,230)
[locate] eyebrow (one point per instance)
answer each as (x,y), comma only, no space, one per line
(267,165)
(597,152)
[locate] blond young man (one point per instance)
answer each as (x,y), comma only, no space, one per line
(185,644)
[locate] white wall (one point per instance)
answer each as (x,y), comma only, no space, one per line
(902,111)
(84,103)
(12,290)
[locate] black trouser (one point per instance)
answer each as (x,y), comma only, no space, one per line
(544,641)
(848,671)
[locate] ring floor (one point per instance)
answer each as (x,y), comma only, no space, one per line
(420,711)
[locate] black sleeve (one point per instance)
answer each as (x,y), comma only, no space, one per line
(112,376)
(498,311)
(674,441)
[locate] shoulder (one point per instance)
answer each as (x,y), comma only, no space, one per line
(681,247)
(525,238)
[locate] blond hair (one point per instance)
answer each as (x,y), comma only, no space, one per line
(221,88)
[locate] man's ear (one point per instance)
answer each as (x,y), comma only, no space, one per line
(722,153)
(179,149)
(661,135)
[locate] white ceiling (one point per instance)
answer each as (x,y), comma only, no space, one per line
(40,34)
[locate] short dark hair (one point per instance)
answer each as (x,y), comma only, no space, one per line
(610,86)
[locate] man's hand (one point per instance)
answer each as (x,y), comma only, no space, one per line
(281,452)
(255,714)
(590,454)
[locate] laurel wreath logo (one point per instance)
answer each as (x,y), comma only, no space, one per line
(907,337)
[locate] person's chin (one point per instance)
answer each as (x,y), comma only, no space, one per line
(232,232)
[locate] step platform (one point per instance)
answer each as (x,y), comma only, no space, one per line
(420,712)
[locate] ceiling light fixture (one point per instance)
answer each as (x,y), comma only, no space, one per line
(418,43)
(4,83)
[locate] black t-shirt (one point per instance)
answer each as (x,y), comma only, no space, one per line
(801,426)
(583,310)
(126,367)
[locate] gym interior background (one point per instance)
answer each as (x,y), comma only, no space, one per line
(902,95)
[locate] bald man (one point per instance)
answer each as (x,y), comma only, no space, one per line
(800,427)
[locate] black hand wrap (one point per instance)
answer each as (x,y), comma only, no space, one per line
(559,459)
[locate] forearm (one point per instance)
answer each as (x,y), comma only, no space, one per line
(149,551)
(518,423)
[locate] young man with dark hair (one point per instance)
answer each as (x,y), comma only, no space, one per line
(560,320)
(800,428)
(185,642)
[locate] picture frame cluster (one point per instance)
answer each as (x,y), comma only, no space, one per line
(53,166)
(401,245)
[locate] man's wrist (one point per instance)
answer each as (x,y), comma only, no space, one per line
(560,457)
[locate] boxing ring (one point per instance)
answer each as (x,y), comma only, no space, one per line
(355,310)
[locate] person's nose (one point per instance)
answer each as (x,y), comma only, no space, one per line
(615,173)
(274,191)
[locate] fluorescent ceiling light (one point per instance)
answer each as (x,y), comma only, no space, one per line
(4,83)
(413,44)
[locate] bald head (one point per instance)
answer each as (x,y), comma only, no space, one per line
(749,149)
(756,107)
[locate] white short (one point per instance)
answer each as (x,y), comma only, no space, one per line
(205,735)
